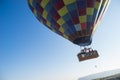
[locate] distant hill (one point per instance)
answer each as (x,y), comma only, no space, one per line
(112,77)
(106,75)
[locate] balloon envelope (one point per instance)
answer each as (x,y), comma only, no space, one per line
(74,20)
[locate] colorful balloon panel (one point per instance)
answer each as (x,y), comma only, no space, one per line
(75,20)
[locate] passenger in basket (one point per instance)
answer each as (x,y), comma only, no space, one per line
(82,53)
(91,51)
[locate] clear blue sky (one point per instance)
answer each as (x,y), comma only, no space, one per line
(30,51)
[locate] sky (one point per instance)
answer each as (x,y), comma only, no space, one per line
(30,51)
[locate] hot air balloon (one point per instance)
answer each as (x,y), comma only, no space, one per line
(75,20)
